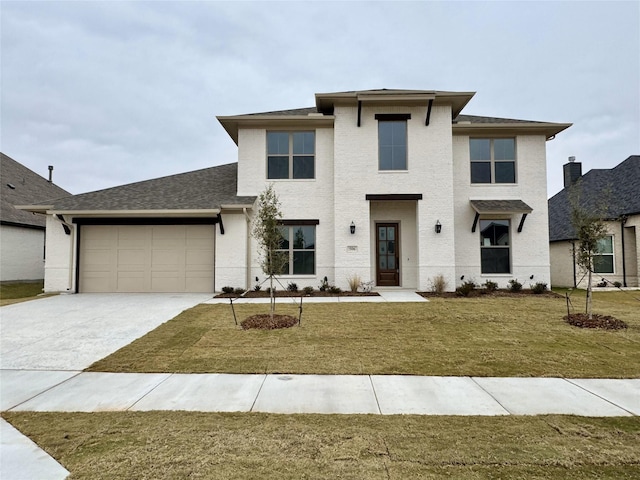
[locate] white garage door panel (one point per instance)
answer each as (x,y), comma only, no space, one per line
(146,258)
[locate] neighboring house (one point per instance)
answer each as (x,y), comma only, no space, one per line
(619,189)
(22,233)
(394,186)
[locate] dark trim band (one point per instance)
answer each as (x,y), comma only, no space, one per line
(394,197)
(146,221)
(391,117)
(299,222)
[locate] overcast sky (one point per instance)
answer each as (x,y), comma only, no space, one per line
(117,92)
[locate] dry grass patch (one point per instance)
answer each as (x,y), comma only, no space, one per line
(16,292)
(169,445)
(478,336)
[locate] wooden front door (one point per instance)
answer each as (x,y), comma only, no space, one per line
(387,255)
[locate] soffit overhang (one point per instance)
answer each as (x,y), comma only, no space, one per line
(549,130)
(313,120)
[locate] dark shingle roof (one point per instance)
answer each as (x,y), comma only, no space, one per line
(500,206)
(201,189)
(622,183)
(479,119)
(28,188)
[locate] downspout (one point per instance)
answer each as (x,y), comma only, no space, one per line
(623,220)
(248,252)
(573,257)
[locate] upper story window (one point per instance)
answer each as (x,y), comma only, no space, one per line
(493,160)
(495,246)
(603,261)
(392,141)
(291,155)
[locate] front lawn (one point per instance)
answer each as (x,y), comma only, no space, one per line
(15,292)
(467,336)
(169,445)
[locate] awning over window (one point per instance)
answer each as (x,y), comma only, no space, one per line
(484,207)
(500,207)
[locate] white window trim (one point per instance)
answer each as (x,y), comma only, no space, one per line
(612,254)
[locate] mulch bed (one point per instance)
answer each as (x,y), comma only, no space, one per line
(481,292)
(264,322)
(283,293)
(597,321)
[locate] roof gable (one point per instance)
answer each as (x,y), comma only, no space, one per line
(19,186)
(618,186)
(205,189)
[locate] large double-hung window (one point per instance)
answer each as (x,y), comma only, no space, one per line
(603,261)
(291,155)
(392,141)
(493,160)
(298,242)
(495,249)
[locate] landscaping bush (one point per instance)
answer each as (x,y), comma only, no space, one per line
(617,284)
(354,282)
(335,290)
(438,284)
(324,286)
(227,289)
(257,288)
(292,287)
(490,286)
(539,288)
(603,283)
(466,288)
(515,285)
(308,290)
(239,291)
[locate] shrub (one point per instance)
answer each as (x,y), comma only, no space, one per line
(438,284)
(603,283)
(515,285)
(324,286)
(617,284)
(307,290)
(335,290)
(490,286)
(239,291)
(292,287)
(539,288)
(227,289)
(354,282)
(466,288)
(257,288)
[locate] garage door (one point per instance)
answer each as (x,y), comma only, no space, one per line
(146,258)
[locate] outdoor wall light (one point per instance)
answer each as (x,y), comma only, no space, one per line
(352,228)
(438,226)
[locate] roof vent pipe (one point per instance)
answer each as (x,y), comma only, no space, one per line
(50,173)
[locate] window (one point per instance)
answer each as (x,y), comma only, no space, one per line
(291,155)
(392,144)
(494,246)
(299,243)
(493,160)
(603,262)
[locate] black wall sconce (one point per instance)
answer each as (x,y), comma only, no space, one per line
(438,226)
(352,228)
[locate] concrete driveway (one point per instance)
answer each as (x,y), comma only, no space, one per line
(70,332)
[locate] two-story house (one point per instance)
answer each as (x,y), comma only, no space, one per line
(394,186)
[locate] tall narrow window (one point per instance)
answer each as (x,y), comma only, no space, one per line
(603,262)
(291,155)
(392,145)
(495,246)
(493,160)
(299,243)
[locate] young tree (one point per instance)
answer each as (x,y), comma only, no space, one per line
(588,222)
(267,232)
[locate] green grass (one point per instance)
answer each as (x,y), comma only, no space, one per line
(495,336)
(169,445)
(16,292)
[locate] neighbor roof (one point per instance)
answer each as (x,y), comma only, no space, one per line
(19,186)
(205,189)
(617,186)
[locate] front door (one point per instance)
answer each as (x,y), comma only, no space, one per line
(387,257)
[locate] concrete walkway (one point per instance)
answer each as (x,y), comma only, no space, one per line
(47,343)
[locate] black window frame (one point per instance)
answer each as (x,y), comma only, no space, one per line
(292,250)
(393,118)
(478,176)
(291,156)
(491,251)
